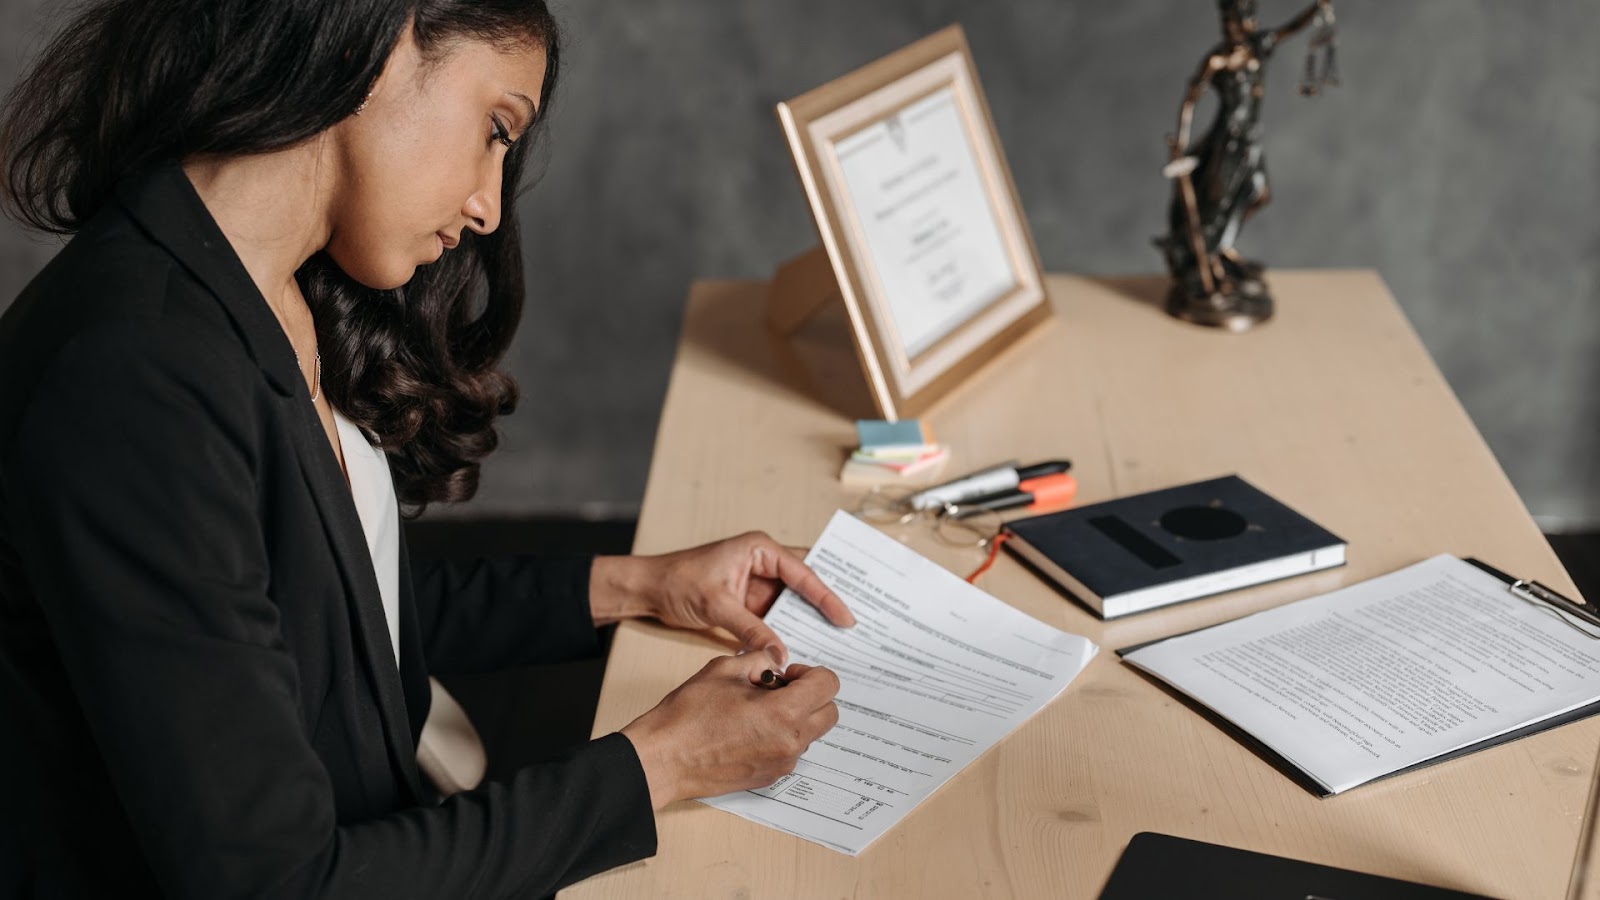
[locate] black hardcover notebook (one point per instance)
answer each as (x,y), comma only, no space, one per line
(1159,866)
(1182,543)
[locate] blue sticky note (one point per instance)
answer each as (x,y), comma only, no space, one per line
(878,433)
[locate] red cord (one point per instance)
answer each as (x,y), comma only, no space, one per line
(994,551)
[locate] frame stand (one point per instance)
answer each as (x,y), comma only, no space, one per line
(800,288)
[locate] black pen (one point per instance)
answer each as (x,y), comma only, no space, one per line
(772,680)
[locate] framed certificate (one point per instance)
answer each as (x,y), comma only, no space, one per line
(920,226)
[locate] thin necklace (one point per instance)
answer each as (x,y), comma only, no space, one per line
(318,392)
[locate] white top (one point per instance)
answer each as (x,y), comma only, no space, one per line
(373,488)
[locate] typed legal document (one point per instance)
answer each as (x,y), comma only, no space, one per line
(934,673)
(1386,674)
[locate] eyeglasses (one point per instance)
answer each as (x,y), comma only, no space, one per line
(976,530)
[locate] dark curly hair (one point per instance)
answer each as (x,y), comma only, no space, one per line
(132,83)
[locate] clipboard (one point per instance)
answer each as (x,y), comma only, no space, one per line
(1566,608)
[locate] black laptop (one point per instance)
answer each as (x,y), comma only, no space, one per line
(1165,867)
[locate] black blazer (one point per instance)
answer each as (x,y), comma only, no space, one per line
(196,684)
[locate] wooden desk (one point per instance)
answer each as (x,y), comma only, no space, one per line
(1335,407)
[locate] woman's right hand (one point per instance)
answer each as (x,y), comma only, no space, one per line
(721,732)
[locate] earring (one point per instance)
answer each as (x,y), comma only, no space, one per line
(364,101)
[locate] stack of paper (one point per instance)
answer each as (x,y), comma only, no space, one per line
(890,451)
(1422,665)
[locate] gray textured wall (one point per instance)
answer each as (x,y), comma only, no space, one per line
(1459,159)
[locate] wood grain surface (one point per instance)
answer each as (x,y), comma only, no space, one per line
(1334,407)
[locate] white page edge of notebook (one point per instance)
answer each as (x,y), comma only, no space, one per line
(1206,585)
(1192,588)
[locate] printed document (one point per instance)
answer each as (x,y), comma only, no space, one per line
(1382,675)
(934,673)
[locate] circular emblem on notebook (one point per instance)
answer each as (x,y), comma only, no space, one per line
(1203,523)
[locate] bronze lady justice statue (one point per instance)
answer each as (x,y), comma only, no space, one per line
(1221,179)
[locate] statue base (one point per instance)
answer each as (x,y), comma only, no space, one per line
(1237,306)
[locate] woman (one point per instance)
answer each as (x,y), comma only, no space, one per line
(295,266)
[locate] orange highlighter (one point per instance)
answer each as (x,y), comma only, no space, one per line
(1047,492)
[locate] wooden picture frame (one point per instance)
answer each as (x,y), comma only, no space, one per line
(922,234)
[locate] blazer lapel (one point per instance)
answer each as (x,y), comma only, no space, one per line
(166,206)
(343,526)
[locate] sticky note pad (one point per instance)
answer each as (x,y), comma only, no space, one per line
(876,433)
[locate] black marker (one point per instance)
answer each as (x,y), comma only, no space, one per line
(984,482)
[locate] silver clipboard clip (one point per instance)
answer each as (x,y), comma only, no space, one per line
(1538,593)
(1575,613)
(1534,592)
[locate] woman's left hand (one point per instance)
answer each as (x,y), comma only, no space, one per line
(728,584)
